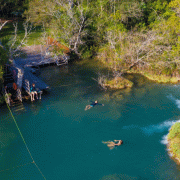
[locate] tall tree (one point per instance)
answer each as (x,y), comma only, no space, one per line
(68,19)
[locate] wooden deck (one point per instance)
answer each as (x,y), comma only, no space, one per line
(39,55)
(35,56)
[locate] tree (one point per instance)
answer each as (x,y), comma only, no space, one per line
(12,8)
(68,19)
(10,46)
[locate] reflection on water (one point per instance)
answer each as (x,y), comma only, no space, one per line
(119,177)
(34,107)
(110,144)
(138,79)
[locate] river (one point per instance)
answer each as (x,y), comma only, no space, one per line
(66,141)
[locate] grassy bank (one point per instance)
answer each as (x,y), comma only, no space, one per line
(158,78)
(119,83)
(34,38)
(174,142)
(152,76)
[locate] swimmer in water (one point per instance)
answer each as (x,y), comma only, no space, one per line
(92,105)
(112,144)
(119,142)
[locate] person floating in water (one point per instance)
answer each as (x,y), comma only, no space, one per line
(33,92)
(112,144)
(92,105)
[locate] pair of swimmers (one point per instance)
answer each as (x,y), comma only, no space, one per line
(110,144)
(92,105)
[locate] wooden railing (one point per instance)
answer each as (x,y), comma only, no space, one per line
(53,42)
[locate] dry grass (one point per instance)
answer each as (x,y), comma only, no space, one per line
(157,78)
(162,78)
(119,83)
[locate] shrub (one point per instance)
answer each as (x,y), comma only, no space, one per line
(174,131)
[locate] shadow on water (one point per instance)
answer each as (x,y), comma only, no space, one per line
(85,72)
(138,79)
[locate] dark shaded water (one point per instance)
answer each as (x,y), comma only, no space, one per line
(66,141)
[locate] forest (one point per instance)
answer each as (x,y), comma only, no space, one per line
(136,35)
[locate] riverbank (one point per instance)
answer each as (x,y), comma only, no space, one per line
(126,82)
(174,142)
(157,78)
(119,83)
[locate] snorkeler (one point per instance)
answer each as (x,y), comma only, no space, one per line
(92,105)
(112,144)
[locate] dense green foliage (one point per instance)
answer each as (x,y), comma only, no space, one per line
(141,35)
(138,35)
(12,8)
(3,55)
(11,38)
(3,60)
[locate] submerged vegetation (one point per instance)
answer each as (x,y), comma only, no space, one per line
(174,141)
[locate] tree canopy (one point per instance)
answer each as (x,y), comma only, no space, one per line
(135,34)
(12,8)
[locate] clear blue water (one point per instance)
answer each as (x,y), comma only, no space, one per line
(66,141)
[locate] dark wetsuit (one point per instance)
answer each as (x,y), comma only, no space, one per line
(33,89)
(93,104)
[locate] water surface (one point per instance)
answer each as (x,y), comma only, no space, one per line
(66,141)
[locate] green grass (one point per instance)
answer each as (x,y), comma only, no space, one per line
(34,37)
(7,34)
(157,78)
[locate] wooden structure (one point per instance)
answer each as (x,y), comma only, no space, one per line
(27,89)
(22,68)
(12,90)
(62,59)
(29,79)
(18,80)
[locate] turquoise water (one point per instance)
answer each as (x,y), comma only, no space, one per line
(66,141)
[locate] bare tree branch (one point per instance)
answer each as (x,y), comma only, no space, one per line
(27,28)
(2,24)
